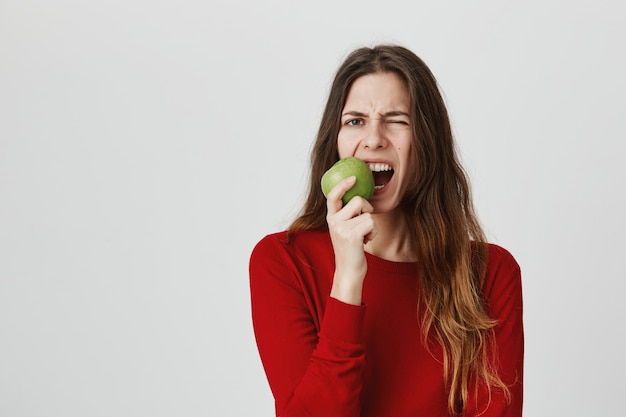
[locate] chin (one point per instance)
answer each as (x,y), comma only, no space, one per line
(384,207)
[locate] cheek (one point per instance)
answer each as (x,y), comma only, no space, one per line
(407,159)
(404,148)
(345,146)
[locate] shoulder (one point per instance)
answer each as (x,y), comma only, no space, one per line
(270,242)
(501,258)
(503,273)
(298,241)
(270,249)
(300,247)
(502,291)
(291,259)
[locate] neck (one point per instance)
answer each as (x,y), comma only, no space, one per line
(392,241)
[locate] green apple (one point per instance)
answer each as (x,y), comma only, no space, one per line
(347,167)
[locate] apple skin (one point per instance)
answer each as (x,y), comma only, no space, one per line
(347,167)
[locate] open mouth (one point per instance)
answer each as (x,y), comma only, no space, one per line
(382,174)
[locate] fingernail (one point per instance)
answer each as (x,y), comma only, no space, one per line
(352,178)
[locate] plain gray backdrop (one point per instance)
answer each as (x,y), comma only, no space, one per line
(146,146)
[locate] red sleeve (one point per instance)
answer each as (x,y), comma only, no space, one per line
(503,292)
(312,372)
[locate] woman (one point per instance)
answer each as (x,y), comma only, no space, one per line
(394,306)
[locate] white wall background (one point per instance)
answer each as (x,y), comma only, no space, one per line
(145,146)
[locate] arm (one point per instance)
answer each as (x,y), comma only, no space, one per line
(310,374)
(314,371)
(350,227)
(504,297)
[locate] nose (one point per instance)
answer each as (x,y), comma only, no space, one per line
(374,137)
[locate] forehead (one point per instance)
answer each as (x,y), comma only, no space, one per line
(380,90)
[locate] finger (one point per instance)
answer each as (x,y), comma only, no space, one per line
(364,227)
(333,200)
(355,207)
(351,233)
(371,235)
(362,204)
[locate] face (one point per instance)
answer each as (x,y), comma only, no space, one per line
(376,127)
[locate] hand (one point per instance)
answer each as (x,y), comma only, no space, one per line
(350,227)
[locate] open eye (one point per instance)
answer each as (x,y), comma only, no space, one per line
(354,122)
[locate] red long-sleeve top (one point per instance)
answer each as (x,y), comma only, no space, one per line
(326,358)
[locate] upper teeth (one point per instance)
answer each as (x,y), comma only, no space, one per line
(380,167)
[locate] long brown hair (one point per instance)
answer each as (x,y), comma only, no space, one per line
(446,235)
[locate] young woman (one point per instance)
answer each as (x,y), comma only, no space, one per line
(396,306)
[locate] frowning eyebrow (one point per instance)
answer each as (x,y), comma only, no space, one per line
(392,113)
